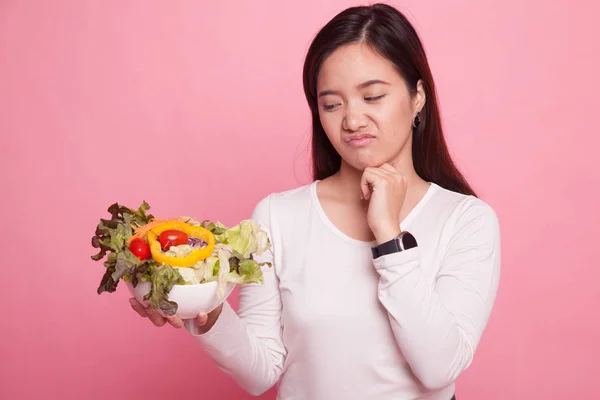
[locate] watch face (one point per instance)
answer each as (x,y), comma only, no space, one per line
(408,241)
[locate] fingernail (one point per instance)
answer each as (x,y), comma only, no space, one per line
(132,301)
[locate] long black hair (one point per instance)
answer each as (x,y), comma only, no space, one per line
(388,32)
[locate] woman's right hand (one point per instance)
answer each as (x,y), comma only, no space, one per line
(203,321)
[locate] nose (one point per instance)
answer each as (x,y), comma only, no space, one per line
(354,118)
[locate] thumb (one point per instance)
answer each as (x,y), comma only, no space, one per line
(201,319)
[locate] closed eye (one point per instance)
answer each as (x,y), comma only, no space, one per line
(374,98)
(330,107)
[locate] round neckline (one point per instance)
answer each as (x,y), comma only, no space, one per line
(325,219)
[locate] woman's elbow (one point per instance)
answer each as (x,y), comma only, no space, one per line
(258,385)
(257,390)
(438,376)
(433,382)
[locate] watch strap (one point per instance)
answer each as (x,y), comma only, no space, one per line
(403,242)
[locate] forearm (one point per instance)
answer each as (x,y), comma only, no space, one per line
(427,334)
(436,333)
(255,362)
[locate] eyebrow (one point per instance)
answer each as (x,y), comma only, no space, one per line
(361,86)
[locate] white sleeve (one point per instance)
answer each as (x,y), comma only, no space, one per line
(248,345)
(438,324)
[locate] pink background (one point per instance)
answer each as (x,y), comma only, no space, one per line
(197,107)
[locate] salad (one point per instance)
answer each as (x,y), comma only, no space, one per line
(137,247)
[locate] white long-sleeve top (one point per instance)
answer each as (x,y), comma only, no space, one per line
(331,323)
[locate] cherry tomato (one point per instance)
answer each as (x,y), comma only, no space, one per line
(140,248)
(172,237)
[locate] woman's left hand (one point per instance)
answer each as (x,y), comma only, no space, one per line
(385,188)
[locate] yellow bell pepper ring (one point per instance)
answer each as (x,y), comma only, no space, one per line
(197,232)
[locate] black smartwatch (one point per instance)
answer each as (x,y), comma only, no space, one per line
(403,242)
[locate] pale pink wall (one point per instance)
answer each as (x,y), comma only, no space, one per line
(183,98)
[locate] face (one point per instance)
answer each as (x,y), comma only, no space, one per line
(366,108)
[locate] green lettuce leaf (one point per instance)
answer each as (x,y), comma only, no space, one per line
(246,238)
(107,284)
(141,272)
(111,239)
(250,271)
(164,277)
(125,262)
(216,228)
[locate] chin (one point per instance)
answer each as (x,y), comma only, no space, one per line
(361,161)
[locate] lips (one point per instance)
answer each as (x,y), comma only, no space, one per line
(359,140)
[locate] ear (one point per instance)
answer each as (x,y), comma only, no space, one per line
(419,98)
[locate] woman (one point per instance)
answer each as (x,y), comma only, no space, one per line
(387,265)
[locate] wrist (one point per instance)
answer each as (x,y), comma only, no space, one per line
(387,235)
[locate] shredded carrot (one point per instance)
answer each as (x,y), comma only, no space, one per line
(143,230)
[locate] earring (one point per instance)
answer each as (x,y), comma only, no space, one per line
(416,119)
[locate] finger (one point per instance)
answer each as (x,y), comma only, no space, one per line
(371,178)
(383,171)
(155,317)
(393,170)
(201,319)
(138,307)
(366,182)
(389,168)
(175,321)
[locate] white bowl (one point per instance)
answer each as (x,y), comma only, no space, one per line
(191,299)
